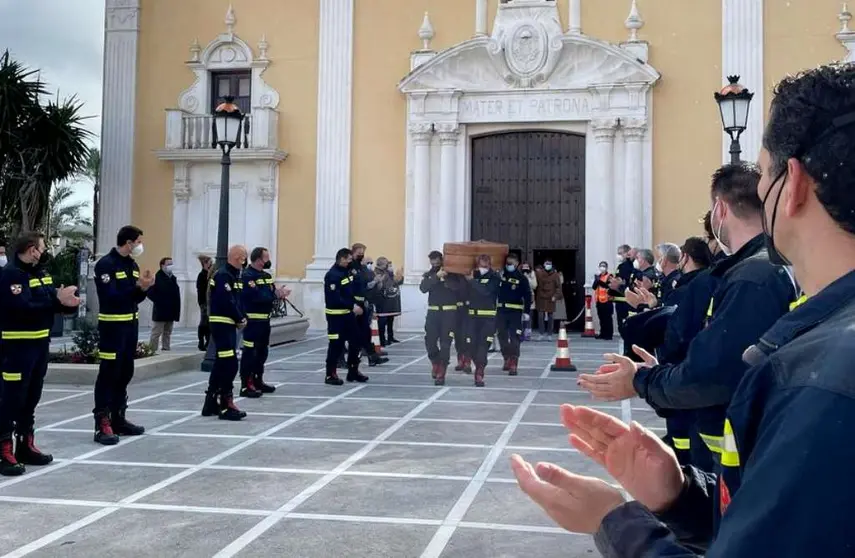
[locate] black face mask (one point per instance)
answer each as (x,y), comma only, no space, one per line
(44,258)
(359,259)
(775,257)
(243,265)
(267,265)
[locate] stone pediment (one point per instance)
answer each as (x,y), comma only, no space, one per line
(567,62)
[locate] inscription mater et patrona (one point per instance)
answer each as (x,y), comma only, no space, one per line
(517,109)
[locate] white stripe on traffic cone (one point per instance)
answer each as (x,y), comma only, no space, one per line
(589,319)
(562,356)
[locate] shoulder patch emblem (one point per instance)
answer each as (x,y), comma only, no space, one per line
(353,272)
(105,278)
(16,289)
(251,284)
(674,284)
(332,286)
(228,287)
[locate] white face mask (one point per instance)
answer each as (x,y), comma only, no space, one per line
(137,251)
(717,233)
(636,265)
(483,270)
(168,269)
(603,269)
(3,261)
(659,267)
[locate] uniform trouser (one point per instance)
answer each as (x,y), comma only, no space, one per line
(622,311)
(117,348)
(679,435)
(605,311)
(340,329)
(225,366)
(439,332)
(510,329)
(481,331)
(461,331)
(203,330)
(256,345)
(24,365)
(363,331)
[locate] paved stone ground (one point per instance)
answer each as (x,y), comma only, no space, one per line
(395,468)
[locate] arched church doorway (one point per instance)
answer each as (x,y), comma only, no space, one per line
(528,190)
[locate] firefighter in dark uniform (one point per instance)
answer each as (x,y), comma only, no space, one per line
(514,301)
(751,295)
(461,329)
(120,291)
(258,295)
(226,317)
(441,316)
(624,278)
(786,455)
(29,300)
(483,292)
(341,310)
(364,280)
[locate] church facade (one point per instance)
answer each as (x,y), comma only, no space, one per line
(560,127)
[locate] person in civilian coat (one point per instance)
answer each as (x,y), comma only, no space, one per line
(547,294)
(388,299)
(166,300)
(203,331)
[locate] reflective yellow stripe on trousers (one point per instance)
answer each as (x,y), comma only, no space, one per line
(682,443)
(714,443)
(26,335)
(118,317)
(729,453)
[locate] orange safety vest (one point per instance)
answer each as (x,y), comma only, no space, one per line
(602,292)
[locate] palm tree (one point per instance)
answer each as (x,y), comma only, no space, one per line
(66,217)
(92,172)
(40,145)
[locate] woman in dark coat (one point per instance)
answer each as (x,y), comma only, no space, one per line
(202,299)
(388,300)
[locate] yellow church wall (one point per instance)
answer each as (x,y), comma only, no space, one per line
(798,34)
(167,29)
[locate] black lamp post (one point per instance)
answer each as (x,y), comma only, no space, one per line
(226,131)
(734,101)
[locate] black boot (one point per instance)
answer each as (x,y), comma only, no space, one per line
(228,409)
(9,466)
(332,379)
(248,389)
(211,407)
(124,427)
(376,360)
(354,375)
(104,434)
(27,453)
(262,387)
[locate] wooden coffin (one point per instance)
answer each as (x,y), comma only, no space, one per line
(460,257)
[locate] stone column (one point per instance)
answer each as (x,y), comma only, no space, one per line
(449,135)
(742,55)
(480,18)
(421,135)
(633,195)
(121,48)
(574,16)
(332,187)
(182,193)
(268,193)
(601,224)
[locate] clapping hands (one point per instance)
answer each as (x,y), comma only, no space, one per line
(146,281)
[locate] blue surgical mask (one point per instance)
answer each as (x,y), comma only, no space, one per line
(548,267)
(510,268)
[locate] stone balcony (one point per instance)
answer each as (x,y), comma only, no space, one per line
(189,137)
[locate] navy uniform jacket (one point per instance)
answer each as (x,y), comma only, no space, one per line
(752,294)
(364,282)
(668,286)
(441,296)
(119,296)
(692,298)
(28,299)
(339,299)
(515,292)
(627,272)
(786,457)
(257,297)
(224,297)
(483,292)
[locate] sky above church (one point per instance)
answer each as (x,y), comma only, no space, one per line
(64,39)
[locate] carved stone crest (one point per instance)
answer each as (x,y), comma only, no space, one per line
(526,49)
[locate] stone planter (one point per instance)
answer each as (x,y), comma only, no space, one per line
(144,368)
(287,330)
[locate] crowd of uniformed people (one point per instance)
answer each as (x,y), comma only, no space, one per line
(745,349)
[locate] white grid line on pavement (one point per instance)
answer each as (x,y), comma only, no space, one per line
(88,520)
(66,398)
(443,535)
(260,528)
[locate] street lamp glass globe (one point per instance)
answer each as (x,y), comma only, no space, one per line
(55,240)
(734,101)
(227,122)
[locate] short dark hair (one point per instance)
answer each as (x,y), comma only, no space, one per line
(343,253)
(812,119)
(257,253)
(624,248)
(698,251)
(128,233)
(435,255)
(604,263)
(707,221)
(27,241)
(512,256)
(164,260)
(736,183)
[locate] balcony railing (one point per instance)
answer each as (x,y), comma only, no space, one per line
(195,131)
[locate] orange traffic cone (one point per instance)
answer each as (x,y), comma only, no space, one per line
(375,336)
(589,319)
(562,357)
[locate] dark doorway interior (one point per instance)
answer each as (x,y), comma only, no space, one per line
(565,262)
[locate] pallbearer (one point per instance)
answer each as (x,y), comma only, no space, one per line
(341,310)
(441,316)
(514,302)
(484,289)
